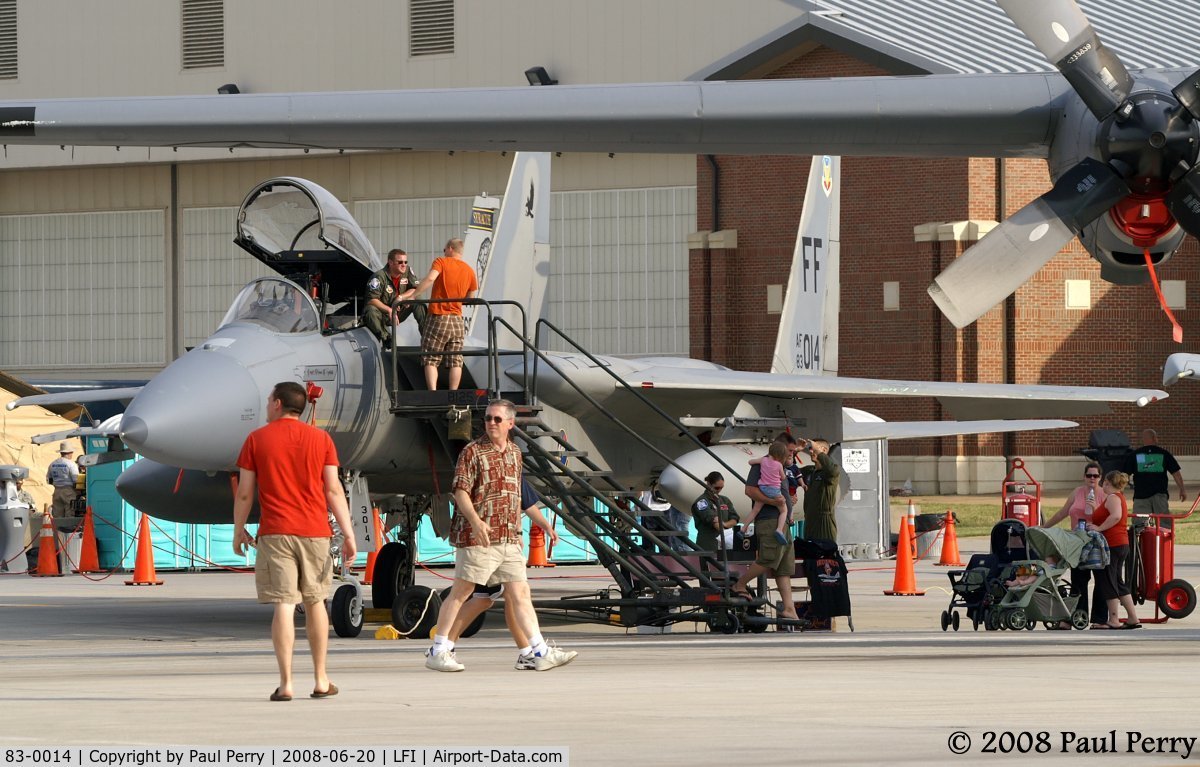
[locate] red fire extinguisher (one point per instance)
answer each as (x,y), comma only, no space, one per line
(1016,501)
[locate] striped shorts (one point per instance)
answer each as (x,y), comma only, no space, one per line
(443,338)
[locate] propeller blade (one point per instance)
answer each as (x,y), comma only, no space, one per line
(1004,260)
(1063,34)
(1188,93)
(1184,201)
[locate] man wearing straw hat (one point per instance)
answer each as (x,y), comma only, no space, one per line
(62,473)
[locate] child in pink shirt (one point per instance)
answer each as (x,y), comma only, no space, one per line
(771,467)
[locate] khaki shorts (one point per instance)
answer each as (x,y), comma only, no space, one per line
(489,565)
(443,333)
(778,558)
(1155,504)
(290,569)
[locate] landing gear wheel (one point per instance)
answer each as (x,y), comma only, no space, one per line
(1177,599)
(473,627)
(415,611)
(347,611)
(1079,620)
(391,574)
(954,620)
(945,620)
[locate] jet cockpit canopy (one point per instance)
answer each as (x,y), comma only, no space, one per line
(302,231)
(276,304)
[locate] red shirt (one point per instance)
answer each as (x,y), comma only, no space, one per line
(288,457)
(455,279)
(1118,534)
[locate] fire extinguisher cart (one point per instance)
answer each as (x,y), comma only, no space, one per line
(1015,499)
(1150,569)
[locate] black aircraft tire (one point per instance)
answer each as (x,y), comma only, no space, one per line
(387,579)
(415,611)
(474,626)
(346,612)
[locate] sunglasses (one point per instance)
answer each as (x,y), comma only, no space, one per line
(1092,476)
(494,419)
(401,263)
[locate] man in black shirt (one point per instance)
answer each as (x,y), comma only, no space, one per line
(1149,466)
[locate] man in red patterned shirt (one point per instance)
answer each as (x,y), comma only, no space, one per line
(486,535)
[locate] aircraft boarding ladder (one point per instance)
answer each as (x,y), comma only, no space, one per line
(656,584)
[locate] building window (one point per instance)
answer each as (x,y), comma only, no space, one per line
(202,30)
(8,39)
(430,27)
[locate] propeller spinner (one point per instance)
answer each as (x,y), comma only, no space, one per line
(1143,172)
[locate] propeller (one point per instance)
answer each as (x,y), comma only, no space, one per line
(1010,254)
(1063,34)
(1147,144)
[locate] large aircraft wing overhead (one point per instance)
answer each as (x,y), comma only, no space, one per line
(859,431)
(976,116)
(72,397)
(966,401)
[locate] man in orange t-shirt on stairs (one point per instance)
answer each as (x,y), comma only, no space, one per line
(294,468)
(453,278)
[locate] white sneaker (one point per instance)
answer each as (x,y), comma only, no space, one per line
(553,658)
(443,661)
(526,662)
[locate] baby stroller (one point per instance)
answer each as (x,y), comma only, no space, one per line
(1034,588)
(979,587)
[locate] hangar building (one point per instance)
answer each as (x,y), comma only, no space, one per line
(113,261)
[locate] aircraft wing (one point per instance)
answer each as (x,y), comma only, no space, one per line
(967,401)
(1180,365)
(71,397)
(857,431)
(972,115)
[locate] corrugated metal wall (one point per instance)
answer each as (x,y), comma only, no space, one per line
(82,289)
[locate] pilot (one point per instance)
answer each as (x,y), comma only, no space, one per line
(713,513)
(382,290)
(62,473)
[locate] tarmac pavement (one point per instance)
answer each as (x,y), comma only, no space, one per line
(97,663)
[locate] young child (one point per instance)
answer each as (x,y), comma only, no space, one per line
(771,466)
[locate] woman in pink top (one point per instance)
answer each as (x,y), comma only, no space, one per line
(1080,512)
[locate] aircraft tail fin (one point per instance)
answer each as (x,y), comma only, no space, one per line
(808,328)
(515,264)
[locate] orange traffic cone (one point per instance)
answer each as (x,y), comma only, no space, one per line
(143,566)
(89,558)
(905,583)
(47,550)
(369,573)
(950,556)
(537,548)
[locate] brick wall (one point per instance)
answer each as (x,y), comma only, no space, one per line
(1122,341)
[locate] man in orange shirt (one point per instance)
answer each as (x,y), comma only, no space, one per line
(451,277)
(294,468)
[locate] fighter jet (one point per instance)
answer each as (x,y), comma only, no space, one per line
(1122,145)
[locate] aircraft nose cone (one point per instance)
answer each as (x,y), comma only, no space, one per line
(196,413)
(133,430)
